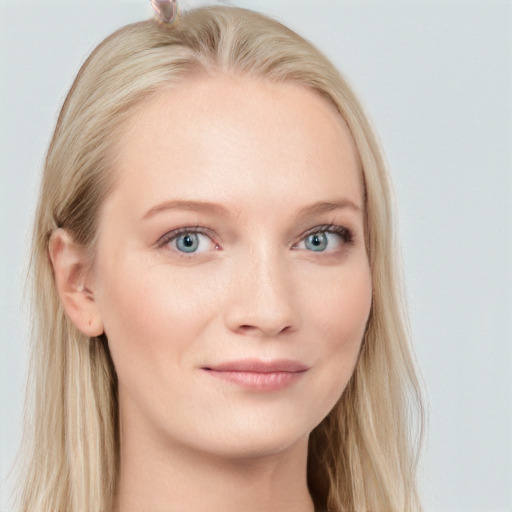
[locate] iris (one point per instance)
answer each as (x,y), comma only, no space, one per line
(317,242)
(188,242)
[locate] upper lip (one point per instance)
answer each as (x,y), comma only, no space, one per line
(258,366)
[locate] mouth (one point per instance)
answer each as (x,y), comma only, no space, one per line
(258,375)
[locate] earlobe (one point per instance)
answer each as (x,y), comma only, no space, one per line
(72,277)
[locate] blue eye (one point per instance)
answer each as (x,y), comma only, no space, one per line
(188,242)
(317,242)
(325,239)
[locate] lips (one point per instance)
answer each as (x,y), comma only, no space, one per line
(259,366)
(258,375)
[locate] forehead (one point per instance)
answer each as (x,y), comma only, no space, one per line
(230,137)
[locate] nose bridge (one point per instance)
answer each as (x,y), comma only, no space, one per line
(262,298)
(270,276)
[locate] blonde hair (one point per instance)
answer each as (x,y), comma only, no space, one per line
(363,455)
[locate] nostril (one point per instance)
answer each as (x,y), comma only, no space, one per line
(247,328)
(267,331)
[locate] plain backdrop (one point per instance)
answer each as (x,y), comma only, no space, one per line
(436,78)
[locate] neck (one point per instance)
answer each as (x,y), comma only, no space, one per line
(176,478)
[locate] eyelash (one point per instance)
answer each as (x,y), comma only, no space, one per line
(344,233)
(175,233)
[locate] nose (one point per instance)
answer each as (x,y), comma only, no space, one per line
(261,301)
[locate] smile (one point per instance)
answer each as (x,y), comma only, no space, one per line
(259,375)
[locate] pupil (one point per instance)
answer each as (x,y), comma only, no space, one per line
(317,242)
(187,242)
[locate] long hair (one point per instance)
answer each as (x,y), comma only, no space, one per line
(363,455)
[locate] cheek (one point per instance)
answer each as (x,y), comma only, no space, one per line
(342,323)
(346,306)
(150,312)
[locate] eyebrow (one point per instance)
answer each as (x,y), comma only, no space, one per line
(328,206)
(194,206)
(219,210)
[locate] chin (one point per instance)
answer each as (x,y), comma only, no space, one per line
(254,441)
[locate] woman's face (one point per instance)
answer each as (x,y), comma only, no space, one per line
(231,274)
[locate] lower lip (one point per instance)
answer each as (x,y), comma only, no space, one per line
(258,381)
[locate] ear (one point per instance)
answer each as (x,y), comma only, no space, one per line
(72,274)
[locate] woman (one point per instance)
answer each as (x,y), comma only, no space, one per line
(220,324)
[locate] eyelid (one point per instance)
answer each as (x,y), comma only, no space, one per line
(175,233)
(337,229)
(342,231)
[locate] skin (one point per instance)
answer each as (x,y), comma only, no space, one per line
(262,154)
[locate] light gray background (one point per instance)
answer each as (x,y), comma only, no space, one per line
(436,77)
